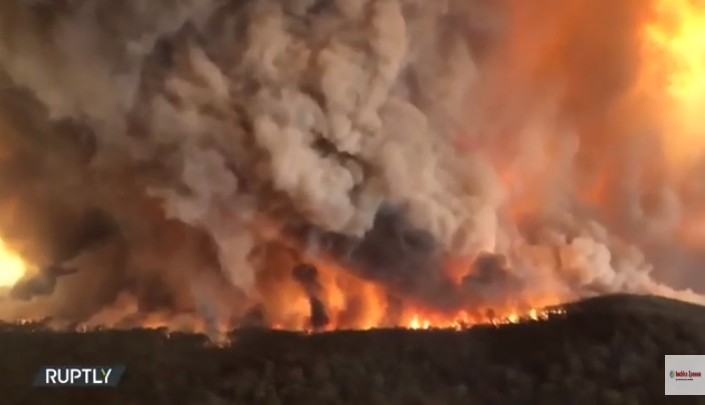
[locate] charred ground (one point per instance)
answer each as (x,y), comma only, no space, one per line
(607,350)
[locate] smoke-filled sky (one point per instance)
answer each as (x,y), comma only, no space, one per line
(188,156)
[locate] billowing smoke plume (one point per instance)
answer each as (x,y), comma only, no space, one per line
(451,155)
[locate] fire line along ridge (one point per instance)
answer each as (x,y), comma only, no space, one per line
(79,376)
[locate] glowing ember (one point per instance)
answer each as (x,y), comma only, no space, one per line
(12,267)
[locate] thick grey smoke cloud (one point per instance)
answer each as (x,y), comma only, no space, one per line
(391,138)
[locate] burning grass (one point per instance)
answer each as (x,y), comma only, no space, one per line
(607,350)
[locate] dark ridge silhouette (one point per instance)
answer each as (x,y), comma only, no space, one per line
(606,350)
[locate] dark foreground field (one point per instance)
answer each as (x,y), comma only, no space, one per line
(604,351)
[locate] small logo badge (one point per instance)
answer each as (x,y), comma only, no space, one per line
(672,374)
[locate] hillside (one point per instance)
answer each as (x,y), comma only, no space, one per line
(606,350)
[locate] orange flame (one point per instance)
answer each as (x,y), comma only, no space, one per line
(676,49)
(463,321)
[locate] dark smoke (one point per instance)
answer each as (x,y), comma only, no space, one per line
(43,283)
(307,276)
(407,260)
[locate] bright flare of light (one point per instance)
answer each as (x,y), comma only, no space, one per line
(677,39)
(417,323)
(680,31)
(12,267)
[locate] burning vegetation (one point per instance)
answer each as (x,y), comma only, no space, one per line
(606,350)
(331,164)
